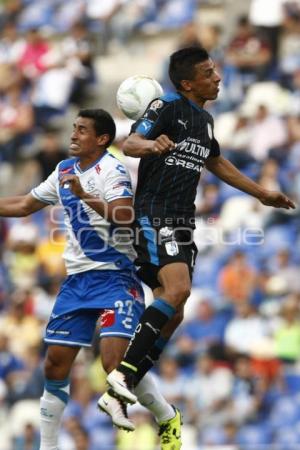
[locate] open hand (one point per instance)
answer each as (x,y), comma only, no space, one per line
(278,200)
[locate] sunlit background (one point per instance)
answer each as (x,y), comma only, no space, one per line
(233,367)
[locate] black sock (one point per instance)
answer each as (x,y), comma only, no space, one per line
(150,359)
(147,332)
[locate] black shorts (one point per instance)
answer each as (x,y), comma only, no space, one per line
(157,246)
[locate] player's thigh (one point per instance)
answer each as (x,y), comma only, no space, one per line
(112,350)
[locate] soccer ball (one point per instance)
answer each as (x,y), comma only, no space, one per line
(135,93)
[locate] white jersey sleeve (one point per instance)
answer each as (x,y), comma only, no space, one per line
(117,182)
(47,191)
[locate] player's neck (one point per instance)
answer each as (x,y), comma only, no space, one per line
(87,161)
(198,101)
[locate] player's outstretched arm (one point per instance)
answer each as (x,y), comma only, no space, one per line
(139,146)
(227,172)
(20,206)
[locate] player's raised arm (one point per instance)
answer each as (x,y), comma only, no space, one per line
(20,206)
(227,172)
(119,211)
(138,146)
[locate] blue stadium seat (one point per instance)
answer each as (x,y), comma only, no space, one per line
(292,383)
(284,413)
(254,435)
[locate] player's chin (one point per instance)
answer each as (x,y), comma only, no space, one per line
(74,152)
(214,95)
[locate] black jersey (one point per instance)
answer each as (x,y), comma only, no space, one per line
(167,184)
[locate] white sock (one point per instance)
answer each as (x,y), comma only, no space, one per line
(51,411)
(149,396)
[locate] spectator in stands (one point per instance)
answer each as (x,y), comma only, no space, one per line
(28,440)
(267,132)
(16,121)
(50,151)
(171,381)
(78,49)
(205,328)
(247,57)
(246,397)
(16,322)
(22,261)
(246,330)
(144,436)
(268,23)
(287,335)
(284,269)
(237,279)
(208,204)
(208,393)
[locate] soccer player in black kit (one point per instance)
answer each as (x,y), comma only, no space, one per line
(175,141)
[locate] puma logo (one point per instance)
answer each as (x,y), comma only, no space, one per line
(184,124)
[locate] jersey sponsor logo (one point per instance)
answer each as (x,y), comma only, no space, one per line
(157,104)
(210,131)
(107,318)
(174,161)
(193,147)
(146,125)
(121,169)
(64,171)
(60,332)
(183,123)
(121,184)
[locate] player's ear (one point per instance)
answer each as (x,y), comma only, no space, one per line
(103,139)
(186,85)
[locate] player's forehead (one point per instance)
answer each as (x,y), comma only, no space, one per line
(84,122)
(204,66)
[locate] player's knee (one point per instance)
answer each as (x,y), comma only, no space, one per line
(55,369)
(177,294)
(109,364)
(178,317)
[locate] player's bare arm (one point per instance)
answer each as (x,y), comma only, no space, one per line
(119,211)
(228,173)
(20,206)
(138,146)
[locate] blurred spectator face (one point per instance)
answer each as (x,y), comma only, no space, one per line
(10,31)
(244,28)
(29,433)
(243,309)
(238,260)
(168,368)
(205,310)
(261,113)
(290,309)
(283,258)
(243,368)
(50,142)
(230,430)
(34,36)
(205,364)
(3,343)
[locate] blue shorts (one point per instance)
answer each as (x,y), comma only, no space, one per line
(114,300)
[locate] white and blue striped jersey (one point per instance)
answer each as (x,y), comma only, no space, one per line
(93,243)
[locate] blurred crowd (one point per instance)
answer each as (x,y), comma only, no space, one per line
(234,365)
